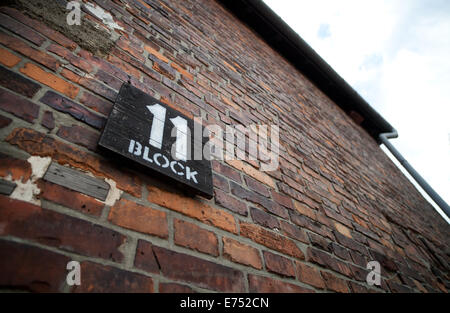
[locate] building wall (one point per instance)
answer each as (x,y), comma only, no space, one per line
(335,203)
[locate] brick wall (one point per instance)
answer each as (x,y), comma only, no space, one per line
(335,203)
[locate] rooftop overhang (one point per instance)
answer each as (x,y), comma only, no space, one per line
(258,16)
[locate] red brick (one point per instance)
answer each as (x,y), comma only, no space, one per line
(18,169)
(27,268)
(192,208)
(164,69)
(262,284)
(96,103)
(8,59)
(174,288)
(193,237)
(80,136)
(69,198)
(204,274)
(251,171)
(65,105)
(28,221)
(221,183)
(18,83)
(72,58)
(50,80)
(271,240)
(21,47)
(326,260)
(278,264)
(231,203)
(100,278)
(39,144)
(238,252)
(309,275)
(334,283)
(48,121)
(21,30)
(139,218)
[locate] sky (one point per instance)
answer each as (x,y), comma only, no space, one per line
(396,55)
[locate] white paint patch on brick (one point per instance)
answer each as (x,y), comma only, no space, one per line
(29,190)
(106,17)
(114,193)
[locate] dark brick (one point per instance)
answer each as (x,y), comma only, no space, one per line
(221,183)
(96,103)
(309,275)
(18,83)
(199,272)
(48,121)
(255,185)
(335,283)
(324,259)
(230,202)
(21,30)
(27,268)
(320,242)
(18,106)
(28,221)
(145,258)
(293,231)
(226,171)
(4,121)
(340,252)
(282,199)
(278,264)
(264,219)
(80,136)
(174,288)
(100,278)
(65,105)
(262,284)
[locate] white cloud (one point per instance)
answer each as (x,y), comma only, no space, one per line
(396,55)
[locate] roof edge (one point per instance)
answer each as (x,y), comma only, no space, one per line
(281,37)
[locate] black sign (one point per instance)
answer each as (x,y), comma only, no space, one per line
(158,137)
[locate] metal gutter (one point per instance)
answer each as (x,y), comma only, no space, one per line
(257,15)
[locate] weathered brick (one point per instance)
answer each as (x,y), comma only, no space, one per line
(28,268)
(72,58)
(320,242)
(221,183)
(145,258)
(8,59)
(50,80)
(48,121)
(251,171)
(4,121)
(39,144)
(335,283)
(65,105)
(29,221)
(21,30)
(293,231)
(205,274)
(281,199)
(226,171)
(96,103)
(18,169)
(230,202)
(251,196)
(303,209)
(18,106)
(100,278)
(193,237)
(264,219)
(18,83)
(271,240)
(192,208)
(263,284)
(324,259)
(80,136)
(309,275)
(257,186)
(70,198)
(350,243)
(278,264)
(238,252)
(174,288)
(131,215)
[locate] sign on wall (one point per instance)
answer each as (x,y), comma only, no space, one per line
(147,131)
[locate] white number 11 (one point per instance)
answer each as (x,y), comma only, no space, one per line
(156,133)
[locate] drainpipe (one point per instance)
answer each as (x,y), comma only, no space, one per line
(384,138)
